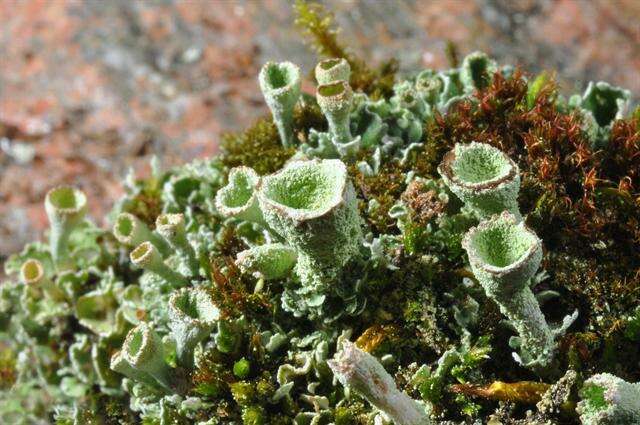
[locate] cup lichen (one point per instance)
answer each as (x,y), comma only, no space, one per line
(504,255)
(66,207)
(312,205)
(483,177)
(280,84)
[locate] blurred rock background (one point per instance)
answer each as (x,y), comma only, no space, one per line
(91,88)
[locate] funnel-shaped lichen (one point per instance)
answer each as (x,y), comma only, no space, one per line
(334,99)
(66,207)
(143,351)
(504,255)
(483,177)
(280,84)
(605,102)
(609,400)
(146,256)
(312,205)
(129,230)
(192,317)
(363,373)
(477,71)
(171,227)
(32,275)
(333,69)
(269,261)
(238,198)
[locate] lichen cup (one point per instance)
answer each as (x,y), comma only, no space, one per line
(239,198)
(334,99)
(66,207)
(192,317)
(504,255)
(609,400)
(333,69)
(281,85)
(312,205)
(483,177)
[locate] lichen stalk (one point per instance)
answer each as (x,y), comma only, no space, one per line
(192,317)
(129,230)
(363,373)
(330,70)
(33,276)
(335,99)
(239,197)
(280,84)
(146,256)
(66,207)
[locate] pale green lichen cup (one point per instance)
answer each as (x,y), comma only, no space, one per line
(504,253)
(335,99)
(66,207)
(238,198)
(333,69)
(609,400)
(483,177)
(192,317)
(312,205)
(281,86)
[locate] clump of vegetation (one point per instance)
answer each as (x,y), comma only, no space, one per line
(458,245)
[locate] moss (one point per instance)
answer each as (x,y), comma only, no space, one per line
(8,373)
(317,24)
(258,147)
(384,188)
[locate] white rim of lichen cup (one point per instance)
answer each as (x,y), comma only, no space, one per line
(230,191)
(187,300)
(449,168)
(279,78)
(469,243)
(138,345)
(333,69)
(65,202)
(338,180)
(32,272)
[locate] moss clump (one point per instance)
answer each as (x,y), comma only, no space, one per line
(258,147)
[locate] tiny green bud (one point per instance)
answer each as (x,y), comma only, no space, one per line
(171,227)
(483,177)
(330,70)
(131,231)
(226,338)
(146,256)
(242,368)
(280,84)
(335,100)
(192,317)
(238,198)
(270,261)
(66,207)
